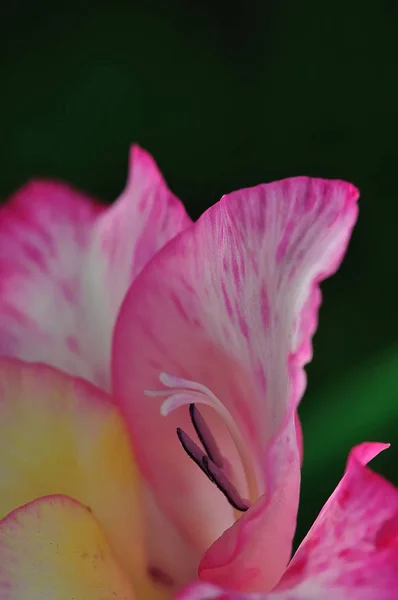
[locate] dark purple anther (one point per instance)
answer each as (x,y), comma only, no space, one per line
(205,461)
(205,436)
(224,485)
(192,449)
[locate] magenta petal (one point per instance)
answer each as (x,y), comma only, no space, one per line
(231,303)
(352,549)
(66,263)
(350,553)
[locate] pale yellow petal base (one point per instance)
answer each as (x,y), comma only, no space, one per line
(54,549)
(62,436)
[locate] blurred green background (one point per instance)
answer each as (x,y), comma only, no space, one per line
(227,96)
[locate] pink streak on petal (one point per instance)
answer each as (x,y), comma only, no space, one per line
(73,344)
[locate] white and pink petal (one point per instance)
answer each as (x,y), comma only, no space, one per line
(123,239)
(66,263)
(44,233)
(351,551)
(231,303)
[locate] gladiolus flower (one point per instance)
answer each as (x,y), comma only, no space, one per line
(150,379)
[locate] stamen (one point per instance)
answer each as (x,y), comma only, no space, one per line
(205,436)
(211,470)
(224,485)
(192,449)
(181,392)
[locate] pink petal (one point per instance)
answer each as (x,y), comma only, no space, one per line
(144,218)
(232,303)
(253,553)
(66,263)
(350,553)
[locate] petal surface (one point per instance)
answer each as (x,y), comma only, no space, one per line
(350,553)
(54,548)
(124,238)
(44,233)
(253,553)
(60,435)
(232,303)
(66,263)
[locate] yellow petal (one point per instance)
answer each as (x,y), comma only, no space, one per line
(53,548)
(60,435)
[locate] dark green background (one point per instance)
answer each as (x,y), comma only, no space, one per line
(226,96)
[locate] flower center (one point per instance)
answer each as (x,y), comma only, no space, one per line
(182,392)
